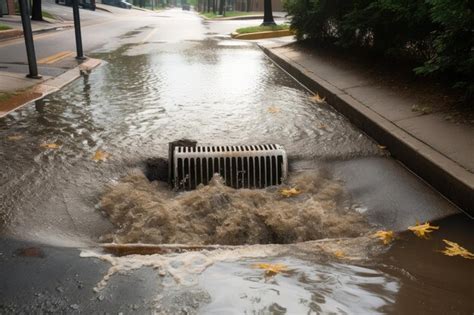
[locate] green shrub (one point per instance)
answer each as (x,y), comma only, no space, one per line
(436,34)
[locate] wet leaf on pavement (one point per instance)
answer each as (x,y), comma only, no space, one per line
(339,254)
(100,156)
(385,236)
(273,109)
(290,192)
(318,99)
(423,230)
(50,145)
(454,249)
(15,137)
(271,269)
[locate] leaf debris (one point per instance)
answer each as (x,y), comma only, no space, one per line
(290,192)
(100,156)
(385,236)
(423,230)
(454,249)
(318,99)
(273,109)
(50,145)
(15,137)
(339,254)
(271,269)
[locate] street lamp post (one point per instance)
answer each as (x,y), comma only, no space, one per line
(267,13)
(28,35)
(77,29)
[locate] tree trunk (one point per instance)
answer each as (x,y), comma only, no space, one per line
(268,13)
(221,7)
(36,14)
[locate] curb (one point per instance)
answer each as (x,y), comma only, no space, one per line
(449,178)
(49,86)
(16,33)
(7,34)
(241,17)
(262,35)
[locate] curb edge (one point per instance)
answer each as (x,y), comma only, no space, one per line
(443,174)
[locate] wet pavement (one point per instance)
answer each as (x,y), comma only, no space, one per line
(181,77)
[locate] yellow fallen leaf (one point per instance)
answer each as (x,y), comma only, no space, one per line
(273,109)
(339,254)
(385,236)
(422,230)
(290,192)
(15,137)
(454,249)
(100,156)
(382,147)
(271,269)
(318,99)
(50,145)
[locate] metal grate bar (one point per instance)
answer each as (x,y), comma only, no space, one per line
(254,166)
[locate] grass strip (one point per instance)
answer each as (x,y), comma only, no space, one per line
(4,27)
(255,29)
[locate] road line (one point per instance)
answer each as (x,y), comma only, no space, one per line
(146,38)
(56,57)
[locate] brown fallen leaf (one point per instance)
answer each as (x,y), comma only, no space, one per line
(50,145)
(273,109)
(454,249)
(100,156)
(339,254)
(318,99)
(385,236)
(271,269)
(290,192)
(15,137)
(423,230)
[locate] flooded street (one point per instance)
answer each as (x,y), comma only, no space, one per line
(177,77)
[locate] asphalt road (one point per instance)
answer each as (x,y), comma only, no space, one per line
(170,74)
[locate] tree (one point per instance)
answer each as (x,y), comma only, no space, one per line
(36,12)
(268,13)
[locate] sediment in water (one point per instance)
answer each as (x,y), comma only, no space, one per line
(149,212)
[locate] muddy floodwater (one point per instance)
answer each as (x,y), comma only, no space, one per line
(73,175)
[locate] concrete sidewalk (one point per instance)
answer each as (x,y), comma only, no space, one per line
(16,90)
(425,139)
(14,21)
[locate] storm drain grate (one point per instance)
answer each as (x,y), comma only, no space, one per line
(245,166)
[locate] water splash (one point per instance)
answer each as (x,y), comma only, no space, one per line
(216,214)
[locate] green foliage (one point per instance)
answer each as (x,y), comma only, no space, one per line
(48,15)
(437,34)
(4,27)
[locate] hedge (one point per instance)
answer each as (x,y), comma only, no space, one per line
(437,34)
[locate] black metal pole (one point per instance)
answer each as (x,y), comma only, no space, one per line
(268,14)
(77,29)
(28,34)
